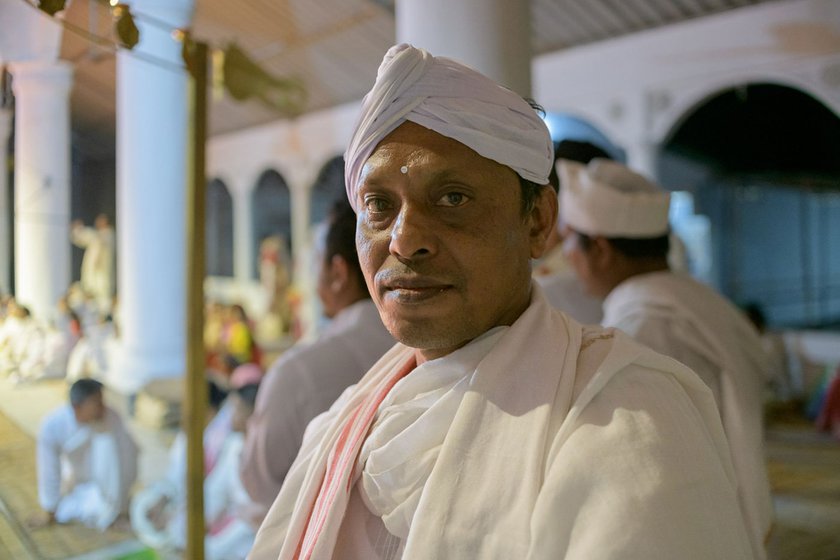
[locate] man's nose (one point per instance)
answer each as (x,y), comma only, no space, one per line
(412,236)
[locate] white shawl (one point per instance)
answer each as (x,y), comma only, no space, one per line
(568,442)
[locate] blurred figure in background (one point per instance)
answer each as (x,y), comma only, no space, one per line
(87,461)
(553,272)
(617,239)
(306,379)
(98,267)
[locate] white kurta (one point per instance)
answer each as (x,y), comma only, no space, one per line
(678,316)
(543,440)
(303,383)
(85,471)
(97,263)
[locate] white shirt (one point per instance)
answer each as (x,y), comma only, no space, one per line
(681,318)
(98,459)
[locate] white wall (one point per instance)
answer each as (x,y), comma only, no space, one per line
(638,87)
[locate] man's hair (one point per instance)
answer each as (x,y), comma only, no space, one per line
(83,389)
(647,248)
(215,395)
(248,393)
(530,192)
(581,152)
(341,238)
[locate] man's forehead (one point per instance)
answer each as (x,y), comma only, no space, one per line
(419,149)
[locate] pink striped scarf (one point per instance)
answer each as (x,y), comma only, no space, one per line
(339,475)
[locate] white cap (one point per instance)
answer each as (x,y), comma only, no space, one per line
(607,199)
(455,101)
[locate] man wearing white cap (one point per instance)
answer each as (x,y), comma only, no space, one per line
(617,239)
(552,271)
(497,427)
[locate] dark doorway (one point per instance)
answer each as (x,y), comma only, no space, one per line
(327,188)
(219,229)
(763,163)
(272,212)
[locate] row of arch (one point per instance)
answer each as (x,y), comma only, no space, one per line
(271,213)
(757,137)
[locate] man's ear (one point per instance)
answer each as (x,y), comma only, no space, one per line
(339,273)
(602,253)
(542,220)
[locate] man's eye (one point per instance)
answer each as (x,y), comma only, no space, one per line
(376,205)
(453,199)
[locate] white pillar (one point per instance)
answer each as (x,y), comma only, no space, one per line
(151,199)
(5,211)
(42,183)
(492,36)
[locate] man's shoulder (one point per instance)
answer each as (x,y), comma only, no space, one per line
(607,354)
(56,422)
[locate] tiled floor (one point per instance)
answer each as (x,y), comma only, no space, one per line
(804,469)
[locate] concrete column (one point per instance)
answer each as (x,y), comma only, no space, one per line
(492,36)
(151,199)
(5,211)
(42,183)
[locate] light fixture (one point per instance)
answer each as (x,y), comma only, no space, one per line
(245,79)
(51,7)
(127,32)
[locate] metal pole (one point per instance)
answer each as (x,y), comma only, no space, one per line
(195,401)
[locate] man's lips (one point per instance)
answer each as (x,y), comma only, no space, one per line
(411,288)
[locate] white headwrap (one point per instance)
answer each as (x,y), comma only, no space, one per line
(454,101)
(606,198)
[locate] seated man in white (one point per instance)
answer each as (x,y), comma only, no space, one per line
(158,512)
(498,427)
(618,242)
(552,271)
(87,461)
(19,333)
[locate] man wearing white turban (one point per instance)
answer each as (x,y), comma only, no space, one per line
(497,427)
(617,240)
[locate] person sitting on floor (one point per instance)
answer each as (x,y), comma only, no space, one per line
(87,461)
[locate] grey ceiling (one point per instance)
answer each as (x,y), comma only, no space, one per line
(333,46)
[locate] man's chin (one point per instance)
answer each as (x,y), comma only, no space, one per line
(431,336)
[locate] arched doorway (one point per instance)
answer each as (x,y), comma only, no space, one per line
(327,188)
(219,229)
(761,161)
(272,214)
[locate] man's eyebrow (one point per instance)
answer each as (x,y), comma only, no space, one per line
(378,177)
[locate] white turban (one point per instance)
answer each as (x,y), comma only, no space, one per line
(607,199)
(454,101)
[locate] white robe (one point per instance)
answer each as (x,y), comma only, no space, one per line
(678,316)
(562,442)
(303,383)
(85,471)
